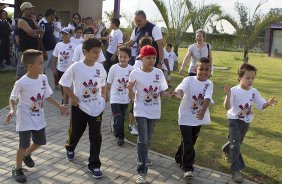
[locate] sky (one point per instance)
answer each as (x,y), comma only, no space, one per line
(128,7)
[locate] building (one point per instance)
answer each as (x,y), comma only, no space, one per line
(273,40)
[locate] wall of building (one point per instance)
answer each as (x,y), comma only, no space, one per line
(91,8)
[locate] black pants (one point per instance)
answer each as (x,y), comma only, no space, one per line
(78,123)
(119,111)
(5,51)
(109,63)
(186,153)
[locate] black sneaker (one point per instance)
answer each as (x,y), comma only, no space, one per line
(70,155)
(18,175)
(28,161)
(120,141)
(96,172)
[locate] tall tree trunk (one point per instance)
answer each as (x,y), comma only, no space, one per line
(175,49)
(246,56)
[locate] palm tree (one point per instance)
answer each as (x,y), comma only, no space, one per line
(249,27)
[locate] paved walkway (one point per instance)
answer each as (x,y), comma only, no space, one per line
(118,163)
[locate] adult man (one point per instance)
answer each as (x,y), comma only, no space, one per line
(5,31)
(49,39)
(146,28)
(29,33)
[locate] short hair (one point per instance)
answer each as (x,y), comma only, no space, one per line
(245,67)
(202,32)
(169,45)
(203,60)
(29,56)
(89,18)
(78,28)
(91,43)
(1,11)
(145,40)
(125,49)
(49,12)
(115,21)
(57,18)
(140,13)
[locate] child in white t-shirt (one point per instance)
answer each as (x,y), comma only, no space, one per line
(87,98)
(172,58)
(77,37)
(166,68)
(62,58)
(117,86)
(31,91)
(196,94)
(239,101)
(148,83)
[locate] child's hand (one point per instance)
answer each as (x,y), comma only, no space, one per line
(130,85)
(200,114)
(74,101)
(9,117)
(64,110)
(227,90)
(272,101)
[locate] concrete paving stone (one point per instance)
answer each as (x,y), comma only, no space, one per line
(204,180)
(62,179)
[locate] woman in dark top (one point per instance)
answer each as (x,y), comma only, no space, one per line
(5,31)
(76,19)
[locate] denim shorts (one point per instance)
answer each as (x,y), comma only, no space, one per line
(38,137)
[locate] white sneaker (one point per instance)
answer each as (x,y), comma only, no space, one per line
(141,179)
(133,130)
(188,175)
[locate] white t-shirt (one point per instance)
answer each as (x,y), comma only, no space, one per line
(197,53)
(134,50)
(195,92)
(118,78)
(241,102)
(77,41)
(156,34)
(71,27)
(64,53)
(165,57)
(59,26)
(138,63)
(79,56)
(87,82)
(115,38)
(148,87)
(171,59)
(31,94)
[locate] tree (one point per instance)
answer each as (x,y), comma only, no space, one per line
(249,27)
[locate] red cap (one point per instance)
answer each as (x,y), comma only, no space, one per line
(148,50)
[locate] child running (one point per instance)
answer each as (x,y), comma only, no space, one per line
(117,86)
(31,90)
(239,101)
(149,83)
(196,94)
(87,98)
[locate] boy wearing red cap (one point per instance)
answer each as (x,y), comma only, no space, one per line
(149,83)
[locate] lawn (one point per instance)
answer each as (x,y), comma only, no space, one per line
(7,80)
(262,147)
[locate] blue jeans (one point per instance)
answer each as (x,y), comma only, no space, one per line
(119,111)
(145,129)
(50,55)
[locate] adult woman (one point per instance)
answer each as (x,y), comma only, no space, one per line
(5,31)
(76,18)
(195,52)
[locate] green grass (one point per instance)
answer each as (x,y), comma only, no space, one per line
(262,147)
(7,80)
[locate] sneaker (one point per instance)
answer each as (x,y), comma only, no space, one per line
(237,176)
(141,179)
(149,162)
(96,173)
(28,161)
(120,141)
(133,130)
(70,155)
(18,175)
(188,174)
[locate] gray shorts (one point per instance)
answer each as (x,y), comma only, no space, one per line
(21,71)
(38,137)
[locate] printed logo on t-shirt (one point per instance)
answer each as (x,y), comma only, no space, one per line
(151,97)
(90,91)
(65,55)
(246,110)
(253,97)
(43,84)
(37,104)
(197,103)
(157,78)
(122,85)
(98,73)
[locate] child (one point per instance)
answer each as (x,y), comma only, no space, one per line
(31,90)
(166,68)
(62,58)
(117,85)
(196,94)
(88,79)
(172,58)
(77,38)
(149,83)
(239,101)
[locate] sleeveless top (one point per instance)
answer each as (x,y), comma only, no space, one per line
(25,41)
